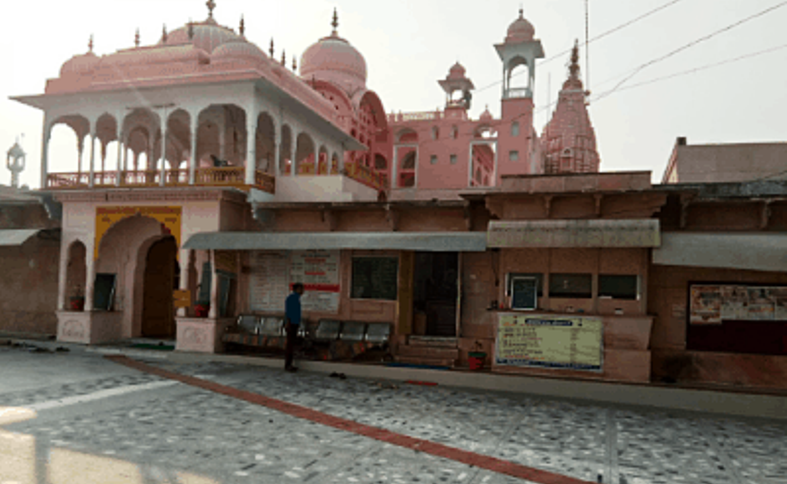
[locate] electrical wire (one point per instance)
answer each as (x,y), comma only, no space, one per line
(693,43)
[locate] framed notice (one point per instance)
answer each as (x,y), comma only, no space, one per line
(716,303)
(705,305)
(268,282)
(545,341)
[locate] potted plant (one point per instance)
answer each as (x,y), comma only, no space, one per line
(201,309)
(77,301)
(477,357)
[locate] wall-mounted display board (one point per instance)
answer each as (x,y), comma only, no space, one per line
(715,303)
(273,273)
(550,341)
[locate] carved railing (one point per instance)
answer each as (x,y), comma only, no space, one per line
(365,175)
(234,176)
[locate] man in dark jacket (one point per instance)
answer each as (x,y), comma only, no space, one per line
(292,312)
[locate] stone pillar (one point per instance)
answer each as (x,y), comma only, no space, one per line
(62,277)
(163,180)
(395,168)
(80,151)
(277,146)
(119,160)
(90,262)
(316,157)
(251,147)
(45,153)
(214,288)
(92,175)
(125,156)
(194,120)
(184,277)
(222,126)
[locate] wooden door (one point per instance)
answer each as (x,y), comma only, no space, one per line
(158,312)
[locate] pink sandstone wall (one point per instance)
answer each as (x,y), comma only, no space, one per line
(28,288)
(668,301)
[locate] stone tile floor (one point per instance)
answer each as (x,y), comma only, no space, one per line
(181,429)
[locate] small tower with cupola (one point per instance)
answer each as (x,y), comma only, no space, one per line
(458,91)
(517,138)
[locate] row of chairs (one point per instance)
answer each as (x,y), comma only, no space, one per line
(326,330)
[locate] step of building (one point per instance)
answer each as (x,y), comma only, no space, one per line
(417,360)
(433,341)
(428,352)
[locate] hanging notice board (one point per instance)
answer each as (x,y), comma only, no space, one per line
(273,273)
(550,341)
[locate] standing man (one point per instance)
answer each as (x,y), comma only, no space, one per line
(292,312)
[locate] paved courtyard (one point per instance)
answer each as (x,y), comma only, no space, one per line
(76,417)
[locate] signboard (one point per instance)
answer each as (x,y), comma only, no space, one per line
(273,273)
(168,217)
(574,233)
(268,282)
(715,303)
(318,271)
(182,298)
(550,341)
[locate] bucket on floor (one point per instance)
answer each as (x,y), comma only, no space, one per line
(476,360)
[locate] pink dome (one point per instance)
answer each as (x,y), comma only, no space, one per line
(79,64)
(520,30)
(457,71)
(240,50)
(486,116)
(207,35)
(335,60)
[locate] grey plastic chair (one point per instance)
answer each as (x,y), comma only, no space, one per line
(378,333)
(327,330)
(352,331)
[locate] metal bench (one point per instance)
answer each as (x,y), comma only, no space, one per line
(352,331)
(327,330)
(378,333)
(272,326)
(248,323)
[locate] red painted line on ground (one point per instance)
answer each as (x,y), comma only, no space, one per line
(439,450)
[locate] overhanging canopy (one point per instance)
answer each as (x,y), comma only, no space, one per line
(757,252)
(574,233)
(415,241)
(10,238)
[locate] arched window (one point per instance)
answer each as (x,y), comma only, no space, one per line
(515,129)
(435,132)
(454,132)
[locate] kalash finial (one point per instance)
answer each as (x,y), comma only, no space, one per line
(573,69)
(164,34)
(335,23)
(294,64)
(90,44)
(242,28)
(136,39)
(521,11)
(283,58)
(211,5)
(191,30)
(270,51)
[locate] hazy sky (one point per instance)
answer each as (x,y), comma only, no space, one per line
(410,44)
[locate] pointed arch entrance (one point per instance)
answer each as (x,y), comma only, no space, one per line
(160,278)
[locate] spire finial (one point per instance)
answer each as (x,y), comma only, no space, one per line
(573,69)
(283,58)
(521,11)
(191,29)
(211,5)
(164,34)
(335,22)
(242,28)
(90,44)
(136,39)
(271,49)
(294,64)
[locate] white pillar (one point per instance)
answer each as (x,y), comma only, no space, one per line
(222,125)
(45,153)
(80,151)
(214,288)
(125,156)
(395,168)
(251,146)
(119,159)
(90,259)
(184,278)
(194,123)
(62,277)
(92,175)
(163,180)
(293,152)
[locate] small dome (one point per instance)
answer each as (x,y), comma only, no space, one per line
(457,71)
(520,30)
(207,35)
(16,151)
(79,64)
(486,116)
(335,60)
(240,50)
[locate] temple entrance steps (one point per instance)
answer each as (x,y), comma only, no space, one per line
(429,350)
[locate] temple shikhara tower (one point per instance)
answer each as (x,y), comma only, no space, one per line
(569,141)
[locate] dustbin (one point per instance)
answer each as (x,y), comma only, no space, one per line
(476,360)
